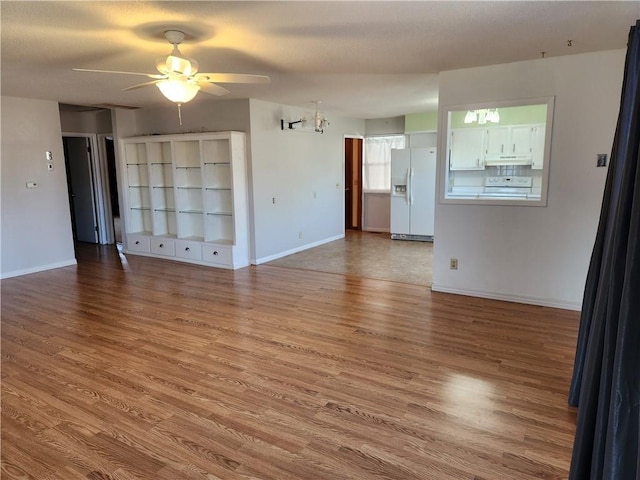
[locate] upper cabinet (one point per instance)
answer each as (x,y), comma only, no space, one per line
(538,147)
(509,145)
(187,197)
(475,148)
(466,149)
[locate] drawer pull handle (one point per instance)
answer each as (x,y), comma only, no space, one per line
(161,245)
(187,249)
(215,252)
(137,242)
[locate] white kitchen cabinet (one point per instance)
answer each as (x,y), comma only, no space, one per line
(496,140)
(466,149)
(521,139)
(187,197)
(537,147)
(508,145)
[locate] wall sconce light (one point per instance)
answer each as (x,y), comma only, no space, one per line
(292,125)
(319,120)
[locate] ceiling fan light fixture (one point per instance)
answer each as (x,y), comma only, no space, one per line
(178,91)
(179,64)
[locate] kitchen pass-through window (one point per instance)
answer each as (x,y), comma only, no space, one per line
(376,163)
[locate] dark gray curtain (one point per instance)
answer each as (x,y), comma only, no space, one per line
(606,376)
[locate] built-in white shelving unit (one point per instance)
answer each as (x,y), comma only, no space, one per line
(187,197)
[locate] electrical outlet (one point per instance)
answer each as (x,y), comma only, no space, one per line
(453,264)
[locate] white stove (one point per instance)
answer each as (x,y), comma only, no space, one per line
(513,186)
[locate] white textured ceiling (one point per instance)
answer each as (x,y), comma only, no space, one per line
(367,59)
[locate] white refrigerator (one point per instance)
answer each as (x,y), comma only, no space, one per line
(413,193)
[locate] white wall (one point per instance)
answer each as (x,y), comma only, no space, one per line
(304,172)
(36,223)
(289,166)
(97,121)
(383,126)
(201,115)
(536,255)
(377,212)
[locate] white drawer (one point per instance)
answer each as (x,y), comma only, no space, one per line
(188,250)
(138,243)
(163,246)
(217,255)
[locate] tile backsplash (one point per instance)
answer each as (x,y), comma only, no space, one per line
(508,171)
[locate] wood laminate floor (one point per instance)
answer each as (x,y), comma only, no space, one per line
(369,255)
(139,368)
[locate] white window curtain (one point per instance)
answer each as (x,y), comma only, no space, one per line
(377,161)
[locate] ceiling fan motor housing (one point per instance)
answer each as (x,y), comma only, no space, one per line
(175,37)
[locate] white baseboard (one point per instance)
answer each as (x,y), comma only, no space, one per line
(295,250)
(39,268)
(375,230)
(543,302)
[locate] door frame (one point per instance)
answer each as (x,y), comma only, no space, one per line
(99,185)
(103,168)
(360,199)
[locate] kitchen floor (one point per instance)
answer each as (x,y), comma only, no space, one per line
(369,255)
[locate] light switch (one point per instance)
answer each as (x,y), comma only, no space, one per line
(601,160)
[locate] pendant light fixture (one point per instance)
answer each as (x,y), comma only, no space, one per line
(482,116)
(320,121)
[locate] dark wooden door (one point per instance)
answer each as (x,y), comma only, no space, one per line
(353,183)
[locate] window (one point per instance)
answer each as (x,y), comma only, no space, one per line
(377,161)
(496,154)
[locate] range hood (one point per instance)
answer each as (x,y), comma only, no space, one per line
(513,159)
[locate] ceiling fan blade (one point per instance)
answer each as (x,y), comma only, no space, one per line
(150,75)
(232,78)
(140,85)
(212,88)
(161,65)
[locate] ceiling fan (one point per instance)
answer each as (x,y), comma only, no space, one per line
(178,78)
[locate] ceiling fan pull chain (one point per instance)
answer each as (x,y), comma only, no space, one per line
(180,113)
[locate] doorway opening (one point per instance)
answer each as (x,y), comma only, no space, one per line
(92,187)
(78,157)
(107,150)
(353,183)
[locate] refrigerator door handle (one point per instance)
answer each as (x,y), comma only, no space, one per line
(410,186)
